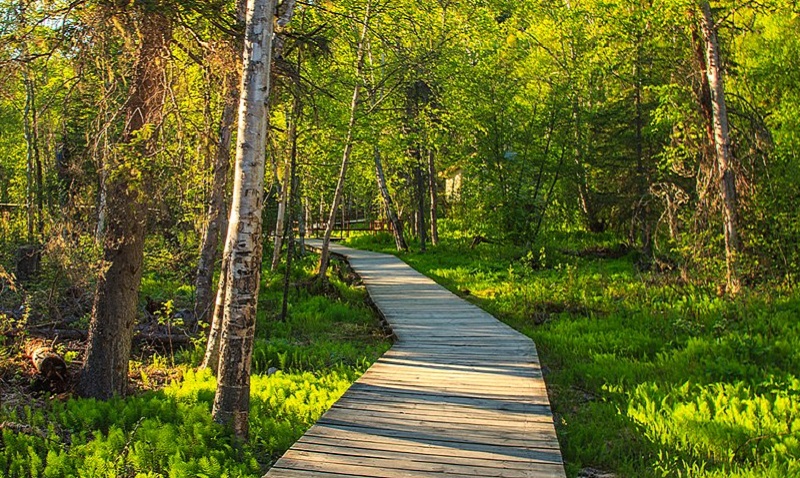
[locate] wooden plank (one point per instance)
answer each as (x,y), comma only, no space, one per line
(471,380)
(384,468)
(488,462)
(529,453)
(346,459)
(425,423)
(462,419)
(533,405)
(432,448)
(439,411)
(281,472)
(445,434)
(444,394)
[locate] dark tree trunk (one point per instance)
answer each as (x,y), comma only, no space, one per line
(641,212)
(586,201)
(434,198)
(292,205)
(105,370)
(397,228)
(34,188)
(419,176)
(302,221)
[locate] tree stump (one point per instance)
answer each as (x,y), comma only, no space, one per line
(28,259)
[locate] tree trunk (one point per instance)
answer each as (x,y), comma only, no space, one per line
(292,206)
(723,149)
(704,91)
(105,370)
(102,200)
(641,209)
(243,244)
(216,204)
(348,146)
(211,357)
(280,225)
(33,193)
(434,199)
(420,180)
(397,228)
(586,201)
(302,220)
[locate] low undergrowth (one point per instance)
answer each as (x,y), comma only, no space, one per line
(651,374)
(167,432)
(301,366)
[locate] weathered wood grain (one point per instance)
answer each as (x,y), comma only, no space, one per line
(460,393)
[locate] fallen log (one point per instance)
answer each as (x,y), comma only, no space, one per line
(50,366)
(21,428)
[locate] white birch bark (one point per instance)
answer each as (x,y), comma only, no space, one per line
(243,244)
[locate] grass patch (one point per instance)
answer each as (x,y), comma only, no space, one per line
(650,375)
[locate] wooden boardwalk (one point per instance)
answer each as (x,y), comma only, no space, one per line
(459,394)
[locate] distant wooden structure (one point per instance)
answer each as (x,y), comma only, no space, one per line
(345,228)
(459,394)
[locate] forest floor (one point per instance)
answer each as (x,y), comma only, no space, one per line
(163,428)
(650,374)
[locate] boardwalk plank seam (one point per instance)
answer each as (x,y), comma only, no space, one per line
(459,394)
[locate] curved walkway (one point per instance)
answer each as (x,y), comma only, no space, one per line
(459,394)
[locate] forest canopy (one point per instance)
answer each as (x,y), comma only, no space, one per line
(548,116)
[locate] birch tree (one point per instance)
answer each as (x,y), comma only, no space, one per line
(380,176)
(243,243)
(388,204)
(280,223)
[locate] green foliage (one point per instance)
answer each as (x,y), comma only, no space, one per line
(729,427)
(166,433)
(649,374)
(324,345)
